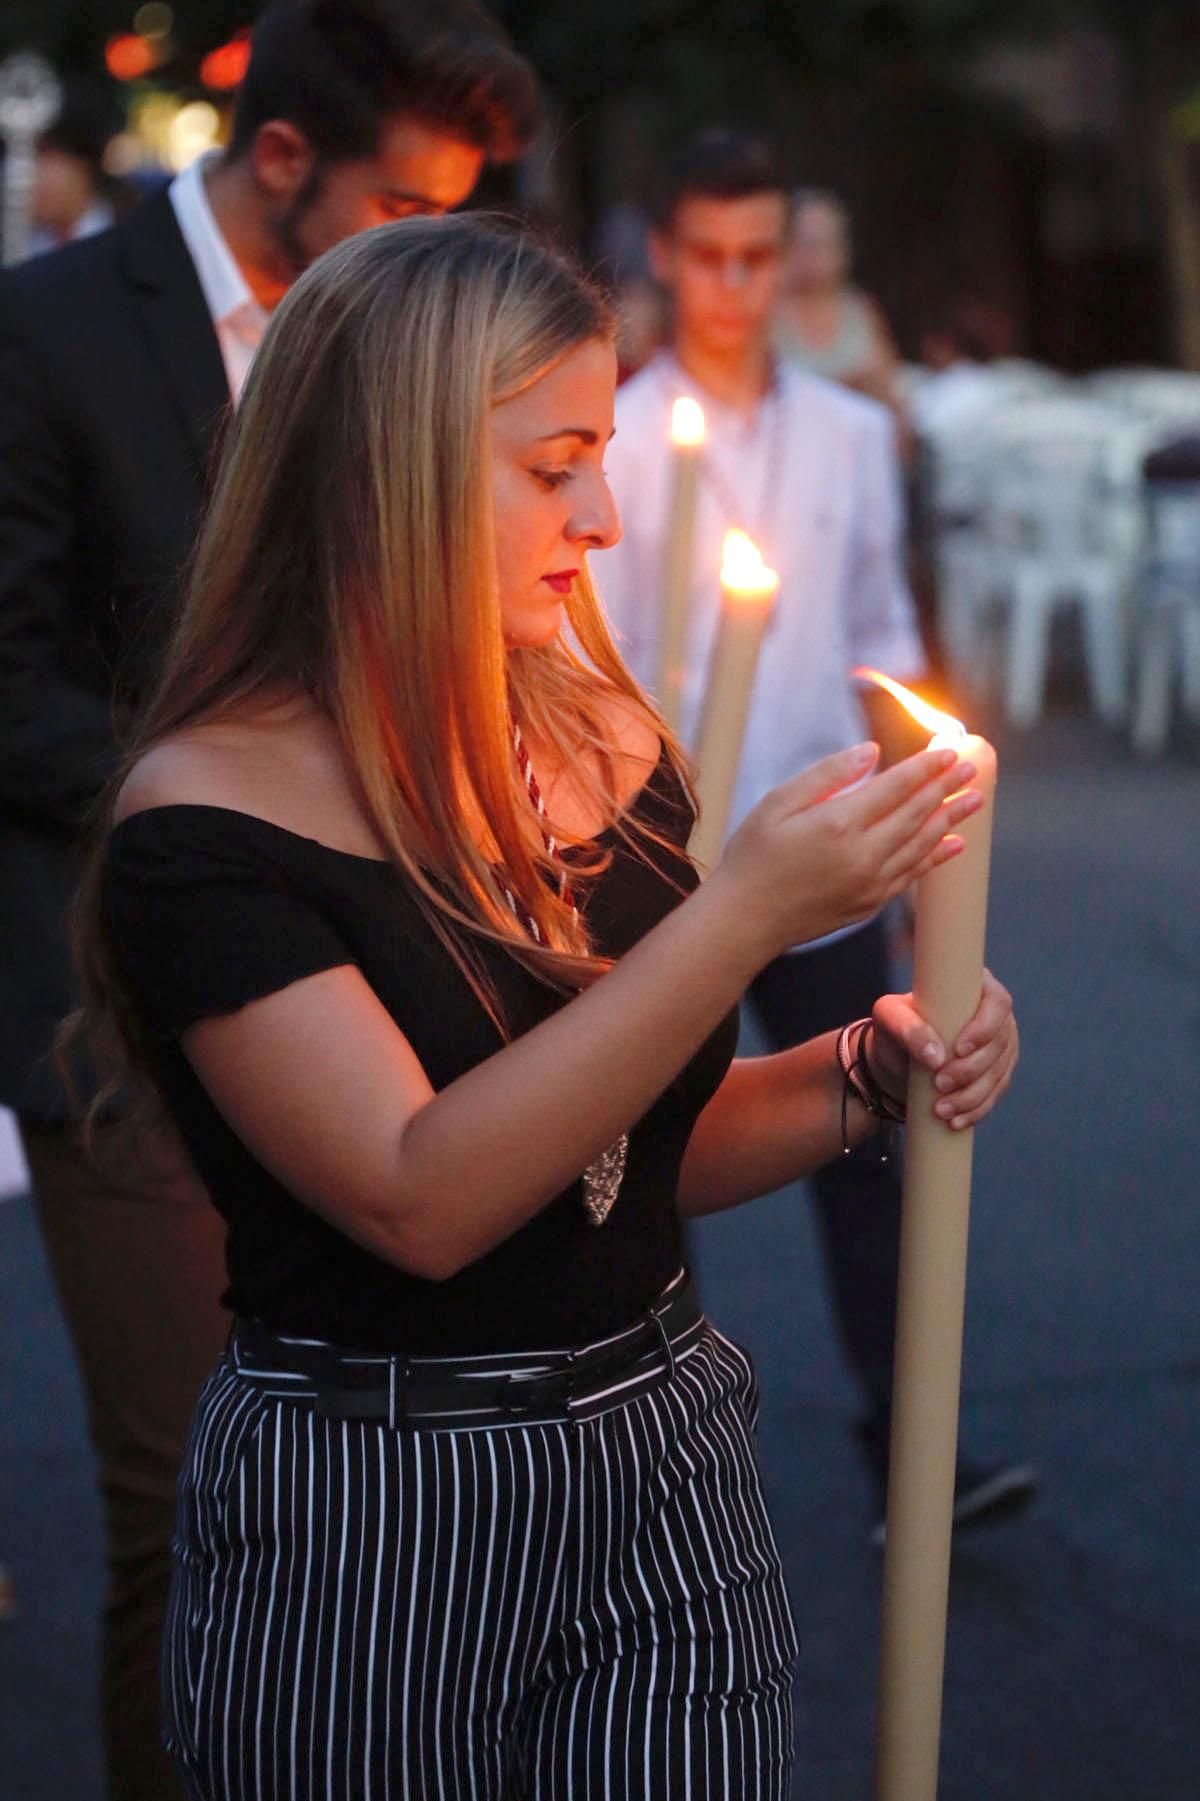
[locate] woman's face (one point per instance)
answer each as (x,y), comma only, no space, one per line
(552,503)
(819,255)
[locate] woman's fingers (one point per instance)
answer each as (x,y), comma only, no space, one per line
(995,1007)
(911,851)
(824,779)
(901,786)
(972,1104)
(961,1072)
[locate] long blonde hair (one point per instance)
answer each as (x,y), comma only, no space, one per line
(348,552)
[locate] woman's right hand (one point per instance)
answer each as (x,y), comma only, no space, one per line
(828,849)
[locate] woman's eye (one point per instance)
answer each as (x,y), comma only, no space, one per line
(552,478)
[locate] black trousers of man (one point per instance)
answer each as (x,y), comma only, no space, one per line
(857,1198)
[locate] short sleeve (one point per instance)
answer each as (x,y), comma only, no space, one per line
(204,912)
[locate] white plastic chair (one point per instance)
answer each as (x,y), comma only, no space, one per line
(1167,631)
(1064,527)
(1165,401)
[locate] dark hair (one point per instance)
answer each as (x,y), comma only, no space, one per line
(337,69)
(717,164)
(87,121)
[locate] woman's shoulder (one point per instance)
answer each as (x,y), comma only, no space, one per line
(239,775)
(190,770)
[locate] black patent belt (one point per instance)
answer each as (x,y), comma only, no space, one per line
(401,1390)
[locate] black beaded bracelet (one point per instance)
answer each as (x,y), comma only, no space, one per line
(859,1080)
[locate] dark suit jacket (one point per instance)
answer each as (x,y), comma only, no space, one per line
(111,386)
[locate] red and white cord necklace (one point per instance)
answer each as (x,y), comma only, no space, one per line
(601,1179)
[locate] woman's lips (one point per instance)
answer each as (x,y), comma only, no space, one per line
(561,582)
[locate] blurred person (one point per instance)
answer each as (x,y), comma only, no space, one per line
(822,321)
(956,348)
(72,195)
(810,471)
(391,902)
(118,358)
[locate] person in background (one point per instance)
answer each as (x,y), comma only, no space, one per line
(119,355)
(810,471)
(391,904)
(823,322)
(73,197)
(956,348)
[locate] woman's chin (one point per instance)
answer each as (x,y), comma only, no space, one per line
(535,632)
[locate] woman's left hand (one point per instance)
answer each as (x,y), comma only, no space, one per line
(969,1076)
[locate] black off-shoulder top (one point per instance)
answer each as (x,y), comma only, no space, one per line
(208,909)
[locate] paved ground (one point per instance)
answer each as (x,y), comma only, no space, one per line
(1074,1651)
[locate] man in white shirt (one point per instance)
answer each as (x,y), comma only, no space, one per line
(118,356)
(810,471)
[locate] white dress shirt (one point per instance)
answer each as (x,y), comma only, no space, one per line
(238,318)
(812,475)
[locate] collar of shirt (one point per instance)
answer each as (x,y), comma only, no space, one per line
(232,307)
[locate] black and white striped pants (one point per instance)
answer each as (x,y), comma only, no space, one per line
(560,1610)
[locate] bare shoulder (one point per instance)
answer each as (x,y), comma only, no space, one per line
(193,768)
(282,766)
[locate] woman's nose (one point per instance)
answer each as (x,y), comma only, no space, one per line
(595,520)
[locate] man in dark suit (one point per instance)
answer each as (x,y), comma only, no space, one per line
(118,357)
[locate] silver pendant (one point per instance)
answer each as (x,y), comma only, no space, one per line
(602,1179)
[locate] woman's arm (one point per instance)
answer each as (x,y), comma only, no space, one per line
(775,1120)
(326,1092)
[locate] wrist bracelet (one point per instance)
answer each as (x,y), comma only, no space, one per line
(859,1080)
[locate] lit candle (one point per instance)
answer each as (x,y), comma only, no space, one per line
(687,442)
(951,917)
(748,590)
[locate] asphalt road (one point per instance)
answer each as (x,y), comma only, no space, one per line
(1073,1665)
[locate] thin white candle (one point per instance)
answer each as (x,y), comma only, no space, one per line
(687,444)
(951,918)
(748,590)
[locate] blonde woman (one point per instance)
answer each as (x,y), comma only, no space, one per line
(392,904)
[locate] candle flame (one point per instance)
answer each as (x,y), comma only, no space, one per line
(743,571)
(945,728)
(687,422)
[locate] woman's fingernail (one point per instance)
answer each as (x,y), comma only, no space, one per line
(944,1109)
(943,1083)
(966,772)
(932,1056)
(956,1125)
(966,1047)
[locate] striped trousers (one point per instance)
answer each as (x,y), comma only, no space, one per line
(560,1610)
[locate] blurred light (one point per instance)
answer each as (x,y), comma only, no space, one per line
(687,422)
(743,572)
(154,20)
(193,130)
(225,66)
(128,57)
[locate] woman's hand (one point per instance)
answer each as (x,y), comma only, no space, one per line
(970,1079)
(828,849)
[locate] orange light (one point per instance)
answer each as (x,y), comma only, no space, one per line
(225,67)
(129,56)
(743,572)
(944,726)
(687,422)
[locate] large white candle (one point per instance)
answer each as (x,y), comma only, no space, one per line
(687,443)
(951,917)
(748,590)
